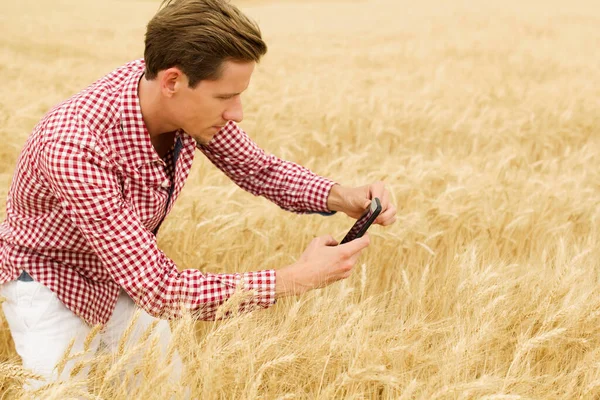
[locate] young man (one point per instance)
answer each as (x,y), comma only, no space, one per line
(101,170)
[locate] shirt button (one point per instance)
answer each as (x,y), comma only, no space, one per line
(165,183)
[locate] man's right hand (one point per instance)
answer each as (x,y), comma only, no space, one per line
(322,263)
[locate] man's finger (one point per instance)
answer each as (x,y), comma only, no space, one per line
(377,190)
(385,206)
(385,200)
(356,245)
(389,221)
(386,216)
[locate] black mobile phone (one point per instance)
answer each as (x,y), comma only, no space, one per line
(364,222)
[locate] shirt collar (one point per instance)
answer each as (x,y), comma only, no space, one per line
(138,149)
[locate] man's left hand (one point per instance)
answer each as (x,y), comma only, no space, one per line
(355,201)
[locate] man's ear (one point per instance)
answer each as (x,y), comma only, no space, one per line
(171,81)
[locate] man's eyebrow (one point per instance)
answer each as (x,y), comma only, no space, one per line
(231,94)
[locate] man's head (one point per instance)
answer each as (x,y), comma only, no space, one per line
(201,54)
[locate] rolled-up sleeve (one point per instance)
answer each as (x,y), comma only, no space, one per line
(289,185)
(88,189)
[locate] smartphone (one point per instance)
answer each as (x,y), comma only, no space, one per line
(364,222)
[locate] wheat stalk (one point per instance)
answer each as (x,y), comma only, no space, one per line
(253,390)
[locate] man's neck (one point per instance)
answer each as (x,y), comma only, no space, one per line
(152,110)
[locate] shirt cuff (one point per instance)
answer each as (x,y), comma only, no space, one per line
(263,282)
(316,195)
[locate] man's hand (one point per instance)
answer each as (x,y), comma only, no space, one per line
(354,201)
(322,263)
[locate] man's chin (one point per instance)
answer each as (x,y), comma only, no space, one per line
(200,141)
(203,139)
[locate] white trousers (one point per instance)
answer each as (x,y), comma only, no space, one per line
(42,328)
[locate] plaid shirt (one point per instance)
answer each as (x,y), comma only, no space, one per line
(90,191)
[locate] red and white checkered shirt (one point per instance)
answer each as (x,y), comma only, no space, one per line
(89,191)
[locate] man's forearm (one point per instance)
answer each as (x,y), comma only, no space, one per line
(289,185)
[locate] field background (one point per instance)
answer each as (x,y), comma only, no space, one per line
(482,118)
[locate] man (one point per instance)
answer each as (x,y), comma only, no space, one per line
(101,170)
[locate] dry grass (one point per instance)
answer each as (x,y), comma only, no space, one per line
(483,120)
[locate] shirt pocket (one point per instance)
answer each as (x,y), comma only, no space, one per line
(146,193)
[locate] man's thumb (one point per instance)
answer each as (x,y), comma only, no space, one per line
(330,241)
(360,243)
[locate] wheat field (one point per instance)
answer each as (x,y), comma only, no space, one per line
(483,120)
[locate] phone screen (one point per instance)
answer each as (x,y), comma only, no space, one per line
(362,224)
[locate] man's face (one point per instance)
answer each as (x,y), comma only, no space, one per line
(203,110)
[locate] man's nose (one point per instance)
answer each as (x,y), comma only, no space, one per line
(234,112)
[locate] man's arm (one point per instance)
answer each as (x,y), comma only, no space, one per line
(289,185)
(88,190)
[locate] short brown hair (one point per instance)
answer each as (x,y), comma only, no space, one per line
(197,36)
